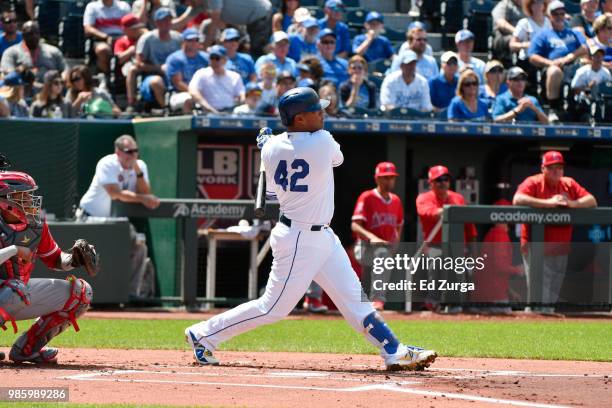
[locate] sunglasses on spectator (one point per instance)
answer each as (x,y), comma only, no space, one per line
(521,78)
(129,151)
(215,58)
(328,42)
(442,179)
(496,70)
(9,20)
(558,13)
(357,67)
(76,78)
(470,83)
(58,82)
(421,39)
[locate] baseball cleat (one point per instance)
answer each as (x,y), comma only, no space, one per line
(202,354)
(45,356)
(410,358)
(314,305)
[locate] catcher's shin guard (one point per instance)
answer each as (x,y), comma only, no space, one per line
(29,346)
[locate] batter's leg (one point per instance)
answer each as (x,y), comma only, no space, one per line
(340,282)
(298,256)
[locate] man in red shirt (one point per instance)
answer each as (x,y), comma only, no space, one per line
(378,219)
(550,189)
(125,47)
(492,282)
(429,207)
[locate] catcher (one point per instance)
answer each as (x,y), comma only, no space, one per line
(24,236)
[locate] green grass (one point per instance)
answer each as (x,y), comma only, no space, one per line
(558,340)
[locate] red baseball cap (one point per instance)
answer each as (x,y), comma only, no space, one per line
(552,157)
(437,171)
(130,21)
(385,169)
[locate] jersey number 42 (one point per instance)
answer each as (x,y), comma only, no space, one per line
(281,175)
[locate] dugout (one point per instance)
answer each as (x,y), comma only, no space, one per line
(216,157)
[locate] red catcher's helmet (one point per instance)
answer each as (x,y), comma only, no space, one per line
(16,196)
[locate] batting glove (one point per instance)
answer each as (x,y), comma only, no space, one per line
(263,136)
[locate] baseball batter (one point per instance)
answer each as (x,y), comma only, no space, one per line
(299,171)
(57,303)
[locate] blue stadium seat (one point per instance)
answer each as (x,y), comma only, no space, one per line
(377,79)
(395,35)
(316,12)
(355,17)
(352,3)
(361,113)
(480,22)
(602,103)
(407,113)
(71,36)
(379,66)
(309,3)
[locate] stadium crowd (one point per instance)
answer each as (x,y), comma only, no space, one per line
(165,57)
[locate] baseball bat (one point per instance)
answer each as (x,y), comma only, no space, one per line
(260,198)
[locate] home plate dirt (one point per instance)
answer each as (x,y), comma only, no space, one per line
(323,380)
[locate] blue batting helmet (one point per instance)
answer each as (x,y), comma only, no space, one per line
(298,100)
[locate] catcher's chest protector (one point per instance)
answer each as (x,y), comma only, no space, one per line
(29,237)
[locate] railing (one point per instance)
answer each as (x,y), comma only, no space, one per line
(454,218)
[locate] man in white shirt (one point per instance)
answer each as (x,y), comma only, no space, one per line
(405,88)
(102,22)
(464,40)
(119,176)
(591,75)
(216,88)
(417,42)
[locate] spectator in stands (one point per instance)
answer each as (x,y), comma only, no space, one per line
(334,10)
(492,282)
(506,14)
(583,22)
(4,109)
(406,44)
(284,82)
(216,88)
(11,35)
(443,88)
(514,104)
(494,82)
(334,67)
(280,50)
(305,41)
(464,40)
(284,17)
(125,47)
(12,93)
(315,69)
(591,75)
(83,95)
(603,36)
(237,61)
(256,15)
(145,11)
(527,28)
(300,15)
(120,176)
(467,105)
(373,45)
(33,55)
(358,91)
(252,98)
(550,189)
(426,65)
(606,6)
(29,9)
(304,77)
(554,49)
(329,92)
(49,101)
(268,84)
(181,65)
(152,50)
(102,23)
(406,88)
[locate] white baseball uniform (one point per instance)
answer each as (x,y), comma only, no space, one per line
(299,171)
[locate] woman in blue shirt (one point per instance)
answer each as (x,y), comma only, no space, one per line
(467,105)
(283,19)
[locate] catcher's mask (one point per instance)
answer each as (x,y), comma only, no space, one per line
(16,196)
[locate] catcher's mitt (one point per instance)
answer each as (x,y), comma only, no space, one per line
(84,254)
